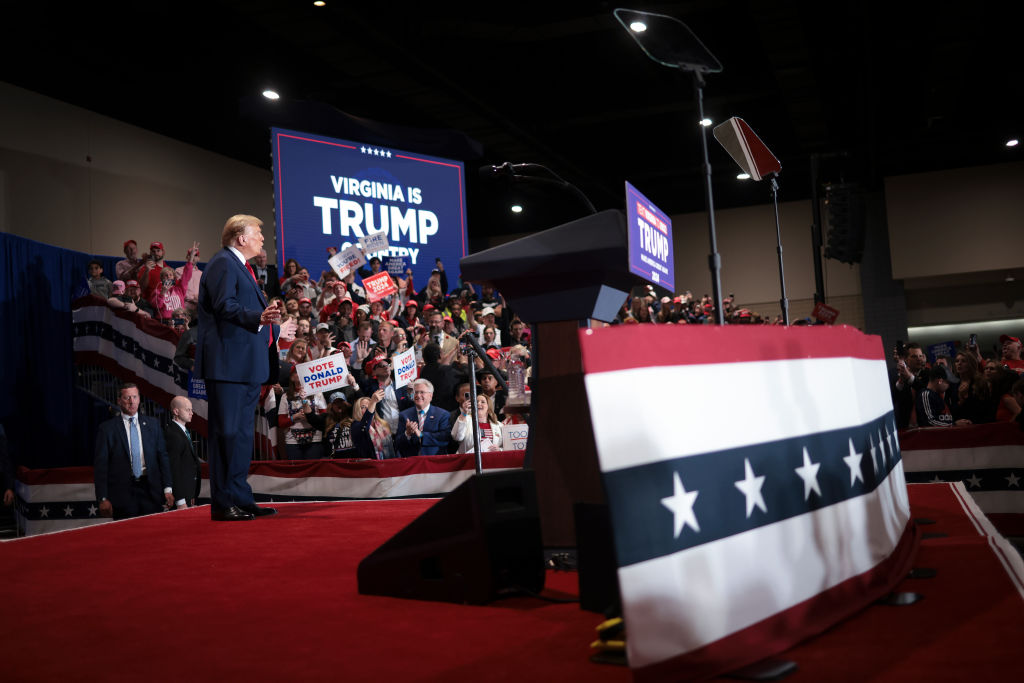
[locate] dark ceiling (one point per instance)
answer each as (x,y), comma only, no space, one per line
(876,91)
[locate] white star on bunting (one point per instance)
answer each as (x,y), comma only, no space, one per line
(874,462)
(362,150)
(68,511)
(974,481)
(681,504)
(894,442)
(935,480)
(44,511)
(92,510)
(1012,480)
(853,462)
(809,473)
(750,486)
(881,447)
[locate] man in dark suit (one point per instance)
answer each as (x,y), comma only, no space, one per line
(185,477)
(423,429)
(266,275)
(442,377)
(235,354)
(131,469)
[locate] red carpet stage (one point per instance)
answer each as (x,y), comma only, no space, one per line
(174,597)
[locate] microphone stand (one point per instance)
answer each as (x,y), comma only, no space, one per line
(784,302)
(470,352)
(714,259)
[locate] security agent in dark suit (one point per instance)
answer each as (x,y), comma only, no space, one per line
(266,274)
(235,354)
(185,477)
(423,429)
(131,469)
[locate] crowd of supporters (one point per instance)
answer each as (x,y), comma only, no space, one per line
(970,388)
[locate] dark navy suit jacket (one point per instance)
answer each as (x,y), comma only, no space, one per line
(113,462)
(230,346)
(437,430)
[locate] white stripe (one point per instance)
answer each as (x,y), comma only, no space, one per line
(974,457)
(44,493)
(646,415)
(429,483)
(998,502)
(680,602)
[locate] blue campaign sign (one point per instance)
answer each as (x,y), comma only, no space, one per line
(650,240)
(395,265)
(331,192)
(196,387)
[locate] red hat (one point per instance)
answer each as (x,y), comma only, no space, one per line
(131,283)
(412,302)
(1005,338)
(127,242)
(344,345)
(494,354)
(448,318)
(156,245)
(428,307)
(305,300)
(369,364)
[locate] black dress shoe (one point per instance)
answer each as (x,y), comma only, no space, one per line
(257,511)
(231,514)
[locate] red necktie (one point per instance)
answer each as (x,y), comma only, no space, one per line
(249,268)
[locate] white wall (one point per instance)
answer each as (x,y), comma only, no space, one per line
(75,179)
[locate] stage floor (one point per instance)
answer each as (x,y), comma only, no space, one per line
(176,597)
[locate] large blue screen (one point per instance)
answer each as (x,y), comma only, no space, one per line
(331,192)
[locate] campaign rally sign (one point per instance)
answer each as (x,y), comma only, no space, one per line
(825,313)
(734,544)
(374,243)
(196,387)
(395,265)
(347,260)
(404,364)
(650,240)
(331,192)
(515,436)
(323,375)
(378,286)
(941,349)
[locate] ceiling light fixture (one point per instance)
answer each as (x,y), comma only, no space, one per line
(271,94)
(705,122)
(1012,143)
(743,176)
(516,208)
(319,3)
(638,27)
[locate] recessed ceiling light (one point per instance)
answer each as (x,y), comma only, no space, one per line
(1012,143)
(705,122)
(319,3)
(271,95)
(638,27)
(743,176)
(516,208)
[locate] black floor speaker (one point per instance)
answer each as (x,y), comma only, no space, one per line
(479,543)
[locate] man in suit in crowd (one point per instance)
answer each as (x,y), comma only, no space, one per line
(131,469)
(423,429)
(185,478)
(235,354)
(266,274)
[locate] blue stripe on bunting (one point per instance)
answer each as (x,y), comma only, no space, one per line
(645,526)
(977,479)
(154,361)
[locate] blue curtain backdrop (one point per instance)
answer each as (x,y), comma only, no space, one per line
(48,423)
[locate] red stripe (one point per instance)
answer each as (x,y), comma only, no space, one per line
(970,436)
(293,469)
(787,628)
(608,349)
(146,325)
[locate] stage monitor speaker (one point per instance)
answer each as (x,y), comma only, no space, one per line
(479,543)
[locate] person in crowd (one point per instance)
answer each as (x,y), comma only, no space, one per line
(192,292)
(423,429)
(442,376)
(1017,391)
(974,404)
(323,342)
(266,275)
(1011,353)
(133,301)
(172,293)
(301,278)
(184,462)
(449,345)
(433,293)
(363,343)
(131,469)
(931,408)
(483,321)
(490,335)
(377,371)
(151,269)
(911,377)
(409,318)
(338,428)
(386,337)
(344,328)
(98,285)
(128,267)
(1002,381)
(185,352)
(116,292)
(488,424)
(298,352)
(307,312)
(301,418)
(291,268)
(371,436)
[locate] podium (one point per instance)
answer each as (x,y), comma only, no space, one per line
(556,280)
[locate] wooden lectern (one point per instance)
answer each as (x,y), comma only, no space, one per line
(556,280)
